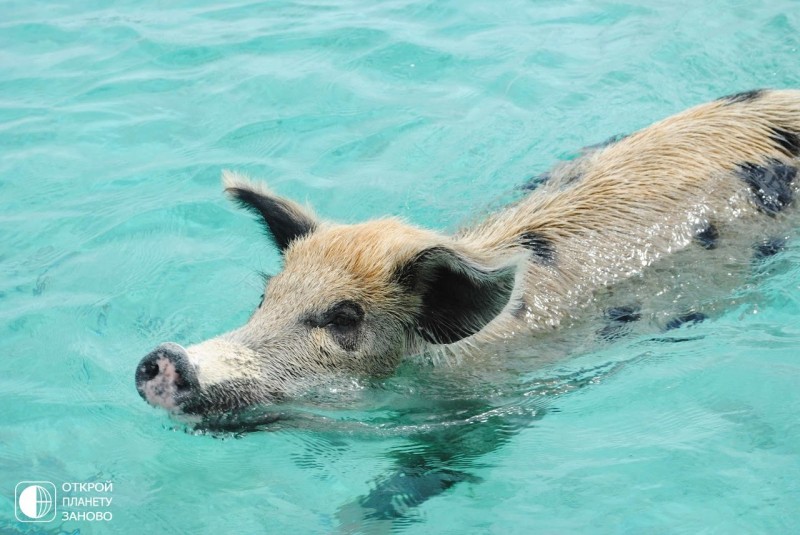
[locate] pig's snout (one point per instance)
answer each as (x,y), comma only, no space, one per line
(165,376)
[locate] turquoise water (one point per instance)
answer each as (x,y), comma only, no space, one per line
(114,126)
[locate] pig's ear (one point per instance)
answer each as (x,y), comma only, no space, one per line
(285,220)
(458,296)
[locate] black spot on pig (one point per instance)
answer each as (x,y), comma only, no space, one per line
(543,249)
(744,96)
(789,142)
(770,184)
(707,237)
(689,318)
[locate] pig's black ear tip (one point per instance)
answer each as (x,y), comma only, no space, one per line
(283,219)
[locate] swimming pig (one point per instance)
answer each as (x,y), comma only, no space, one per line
(355,300)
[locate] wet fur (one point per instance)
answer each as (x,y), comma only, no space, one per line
(627,205)
(693,183)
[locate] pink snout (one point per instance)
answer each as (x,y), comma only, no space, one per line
(165,376)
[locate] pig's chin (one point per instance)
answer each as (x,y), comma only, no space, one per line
(228,408)
(238,419)
(242,407)
(247,420)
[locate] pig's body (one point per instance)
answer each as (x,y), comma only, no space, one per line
(603,236)
(703,190)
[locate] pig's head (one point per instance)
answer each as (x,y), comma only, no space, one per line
(351,300)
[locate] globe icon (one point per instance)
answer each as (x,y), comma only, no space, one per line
(35,501)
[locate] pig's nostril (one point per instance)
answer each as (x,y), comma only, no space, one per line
(165,376)
(149,370)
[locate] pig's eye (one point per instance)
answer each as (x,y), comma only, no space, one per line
(342,321)
(344,314)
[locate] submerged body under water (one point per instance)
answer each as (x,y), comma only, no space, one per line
(115,123)
(450,415)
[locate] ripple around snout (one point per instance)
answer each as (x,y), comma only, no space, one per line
(408,406)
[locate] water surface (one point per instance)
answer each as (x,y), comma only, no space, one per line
(114,125)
